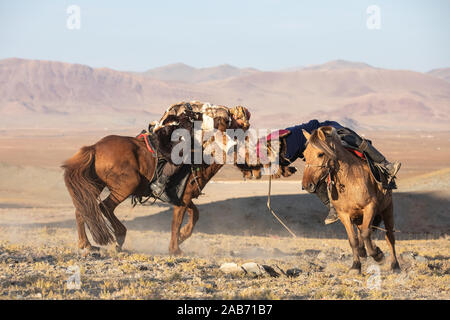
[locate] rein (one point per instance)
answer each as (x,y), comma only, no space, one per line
(273,213)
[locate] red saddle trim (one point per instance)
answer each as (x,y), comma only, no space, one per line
(276,134)
(145,137)
(357,153)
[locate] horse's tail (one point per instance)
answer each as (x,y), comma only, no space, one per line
(82,183)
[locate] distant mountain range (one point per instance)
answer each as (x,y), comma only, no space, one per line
(443,73)
(40,94)
(184,73)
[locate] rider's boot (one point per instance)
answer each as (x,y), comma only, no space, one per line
(322,194)
(159,188)
(376,156)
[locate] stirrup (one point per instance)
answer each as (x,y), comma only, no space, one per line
(160,192)
(162,196)
(395,168)
(332,216)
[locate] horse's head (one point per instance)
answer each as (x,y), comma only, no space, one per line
(319,154)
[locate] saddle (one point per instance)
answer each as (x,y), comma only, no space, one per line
(177,184)
(377,171)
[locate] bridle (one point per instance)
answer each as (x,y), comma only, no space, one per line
(328,173)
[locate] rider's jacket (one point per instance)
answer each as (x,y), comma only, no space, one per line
(296,141)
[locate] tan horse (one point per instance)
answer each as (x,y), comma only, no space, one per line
(125,167)
(358,199)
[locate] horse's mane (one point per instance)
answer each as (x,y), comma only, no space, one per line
(328,146)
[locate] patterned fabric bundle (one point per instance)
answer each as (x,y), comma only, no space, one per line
(241,113)
(214,116)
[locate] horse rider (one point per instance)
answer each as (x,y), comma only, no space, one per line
(295,146)
(182,115)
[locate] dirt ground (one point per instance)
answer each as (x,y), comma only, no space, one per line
(39,256)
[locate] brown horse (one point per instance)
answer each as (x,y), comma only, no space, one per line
(125,167)
(358,199)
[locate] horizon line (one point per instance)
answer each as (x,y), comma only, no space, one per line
(225,64)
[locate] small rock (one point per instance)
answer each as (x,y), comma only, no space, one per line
(253,268)
(420,259)
(143,268)
(230,267)
(293,273)
(270,271)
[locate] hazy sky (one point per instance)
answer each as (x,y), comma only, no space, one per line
(265,34)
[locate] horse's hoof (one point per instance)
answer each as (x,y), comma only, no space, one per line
(91,254)
(89,250)
(120,240)
(354,271)
(176,252)
(362,253)
(396,271)
(395,267)
(378,256)
(88,247)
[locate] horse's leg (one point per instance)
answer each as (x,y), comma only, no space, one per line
(186,231)
(177,220)
(368,215)
(108,205)
(361,248)
(388,218)
(83,241)
(352,238)
(122,180)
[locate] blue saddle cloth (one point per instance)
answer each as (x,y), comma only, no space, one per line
(295,141)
